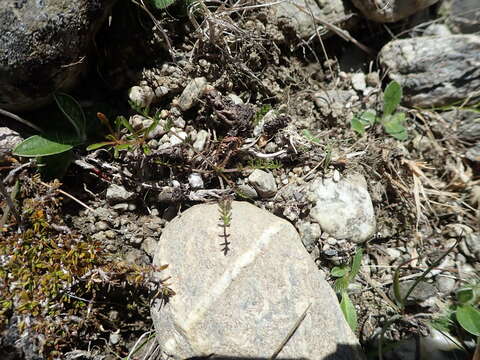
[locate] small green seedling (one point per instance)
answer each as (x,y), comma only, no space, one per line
(225,209)
(393,122)
(345,274)
(132,140)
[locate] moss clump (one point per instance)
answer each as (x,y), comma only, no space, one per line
(59,287)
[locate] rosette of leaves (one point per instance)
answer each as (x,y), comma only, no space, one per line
(392,122)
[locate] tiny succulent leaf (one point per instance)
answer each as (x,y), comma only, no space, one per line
(349,311)
(73,112)
(38,145)
(391,97)
(469,318)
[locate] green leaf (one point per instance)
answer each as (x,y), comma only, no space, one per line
(339,271)
(349,311)
(363,120)
(73,112)
(55,166)
(465,295)
(469,318)
(98,145)
(357,126)
(356,263)
(394,126)
(368,117)
(40,145)
(391,98)
(341,284)
(310,136)
(120,120)
(162,4)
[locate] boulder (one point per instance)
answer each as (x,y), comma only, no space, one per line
(245,302)
(43,47)
(434,71)
(385,11)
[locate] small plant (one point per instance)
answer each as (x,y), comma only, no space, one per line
(345,274)
(261,113)
(132,140)
(464,313)
(53,149)
(393,122)
(225,209)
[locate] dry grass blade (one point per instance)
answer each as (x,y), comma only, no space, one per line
(290,333)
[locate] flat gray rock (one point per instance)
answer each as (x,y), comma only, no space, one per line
(244,303)
(343,209)
(434,71)
(390,10)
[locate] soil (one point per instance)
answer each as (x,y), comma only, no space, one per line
(423,189)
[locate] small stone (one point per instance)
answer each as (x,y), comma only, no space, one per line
(332,241)
(110,234)
(247,191)
(179,122)
(393,253)
(422,291)
(178,138)
(113,315)
(161,91)
(149,245)
(101,225)
(191,93)
(445,284)
(199,144)
(195,180)
(472,241)
(336,175)
(437,30)
(343,209)
(137,121)
(237,100)
(263,182)
(271,147)
(309,233)
(117,193)
(115,338)
(121,206)
(141,95)
(9,138)
(373,79)
(358,82)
